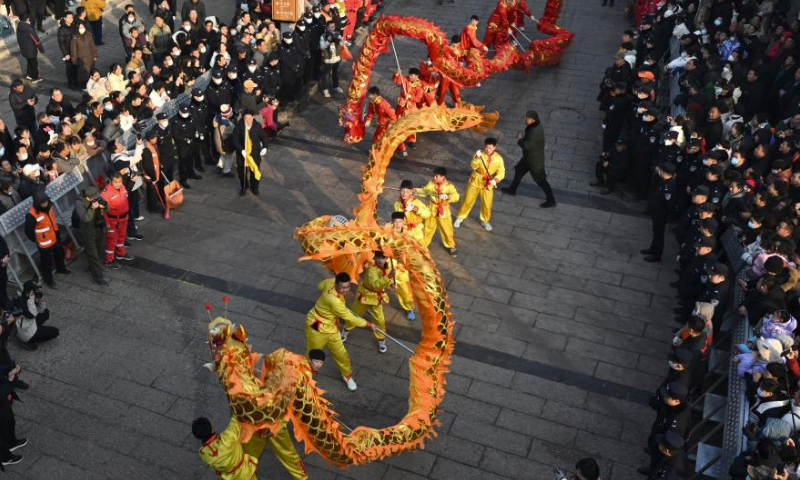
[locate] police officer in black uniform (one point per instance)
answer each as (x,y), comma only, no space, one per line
(199,111)
(693,278)
(716,286)
(673,414)
(167,151)
(218,92)
(185,133)
(291,61)
(668,460)
(643,152)
(691,160)
(662,206)
(679,362)
(612,167)
(302,37)
(615,115)
(271,84)
(252,72)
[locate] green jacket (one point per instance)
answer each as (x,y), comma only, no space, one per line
(532,144)
(92,222)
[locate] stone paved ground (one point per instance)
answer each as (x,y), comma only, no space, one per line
(562,330)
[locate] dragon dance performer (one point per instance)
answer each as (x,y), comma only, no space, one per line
(488,170)
(518,14)
(411,98)
(498,28)
(401,276)
(322,324)
(416,211)
(371,295)
(441,194)
(430,80)
(380,107)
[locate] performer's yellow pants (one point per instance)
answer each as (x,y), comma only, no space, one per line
(403,290)
(318,341)
(445,225)
(282,446)
(469,200)
(375,315)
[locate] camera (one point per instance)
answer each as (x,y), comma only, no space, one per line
(333,37)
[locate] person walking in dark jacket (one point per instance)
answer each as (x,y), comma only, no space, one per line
(22,99)
(65,32)
(249,140)
(532,144)
(29,47)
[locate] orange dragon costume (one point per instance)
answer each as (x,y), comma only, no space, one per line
(447,59)
(284,390)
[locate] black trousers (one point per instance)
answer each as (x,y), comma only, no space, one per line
(4,285)
(155,197)
(248,181)
(37,13)
(93,244)
(49,258)
(520,169)
(329,78)
(72,74)
(659,227)
(32,68)
(133,202)
(8,430)
(186,158)
(44,333)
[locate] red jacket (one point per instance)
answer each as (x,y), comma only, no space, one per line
(500,17)
(411,93)
(117,200)
(469,39)
(383,110)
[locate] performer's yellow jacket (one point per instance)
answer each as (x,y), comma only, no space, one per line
(223,452)
(480,178)
(438,207)
(371,289)
(329,307)
(414,219)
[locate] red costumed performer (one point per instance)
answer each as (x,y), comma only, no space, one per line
(411,97)
(378,106)
(519,13)
(498,28)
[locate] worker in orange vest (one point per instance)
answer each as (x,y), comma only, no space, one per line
(116,195)
(41,228)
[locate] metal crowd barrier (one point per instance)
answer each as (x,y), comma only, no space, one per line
(64,191)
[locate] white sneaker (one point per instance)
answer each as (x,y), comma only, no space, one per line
(382,346)
(478,84)
(139,218)
(487,226)
(339,89)
(457,223)
(404,153)
(344,335)
(326,94)
(351,384)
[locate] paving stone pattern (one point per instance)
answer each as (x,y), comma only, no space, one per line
(555,312)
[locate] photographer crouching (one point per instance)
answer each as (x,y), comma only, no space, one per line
(31,313)
(89,210)
(585,469)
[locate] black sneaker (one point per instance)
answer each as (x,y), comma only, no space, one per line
(64,271)
(12,459)
(29,346)
(126,257)
(136,237)
(126,243)
(453,252)
(19,444)
(113,265)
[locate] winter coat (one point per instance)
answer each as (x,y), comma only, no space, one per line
(532,144)
(94,9)
(64,34)
(28,40)
(82,50)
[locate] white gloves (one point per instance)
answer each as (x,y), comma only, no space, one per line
(443,196)
(409,207)
(263,152)
(485,48)
(493,182)
(244,153)
(478,153)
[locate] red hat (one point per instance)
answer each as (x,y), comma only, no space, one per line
(646,74)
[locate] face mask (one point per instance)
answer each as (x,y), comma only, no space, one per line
(302,27)
(187,27)
(217,80)
(150,81)
(203,49)
(726,69)
(252,69)
(717,91)
(669,142)
(170,63)
(760,392)
(91,144)
(185,115)
(2,151)
(718,22)
(81,30)
(706,162)
(317,14)
(672,365)
(288,41)
(233,77)
(163,124)
(735,161)
(199,99)
(108,108)
(176,53)
(308,20)
(131,18)
(23,157)
(731,59)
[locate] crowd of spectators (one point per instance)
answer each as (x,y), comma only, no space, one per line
(702,118)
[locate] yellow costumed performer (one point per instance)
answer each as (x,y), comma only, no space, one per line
(371,295)
(416,211)
(441,193)
(402,281)
(322,324)
(283,448)
(488,170)
(224,452)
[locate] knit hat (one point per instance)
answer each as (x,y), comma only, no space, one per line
(225,110)
(27,170)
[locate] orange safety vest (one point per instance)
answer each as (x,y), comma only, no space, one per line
(46,227)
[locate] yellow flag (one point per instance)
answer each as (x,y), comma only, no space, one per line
(248,158)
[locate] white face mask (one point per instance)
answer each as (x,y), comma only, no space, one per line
(317,14)
(163,124)
(185,115)
(90,143)
(718,91)
(730,58)
(2,151)
(726,69)
(81,30)
(288,41)
(23,157)
(131,18)
(108,108)
(203,49)
(187,27)
(170,63)
(752,224)
(200,98)
(233,77)
(252,69)
(217,80)
(302,27)
(308,20)
(150,81)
